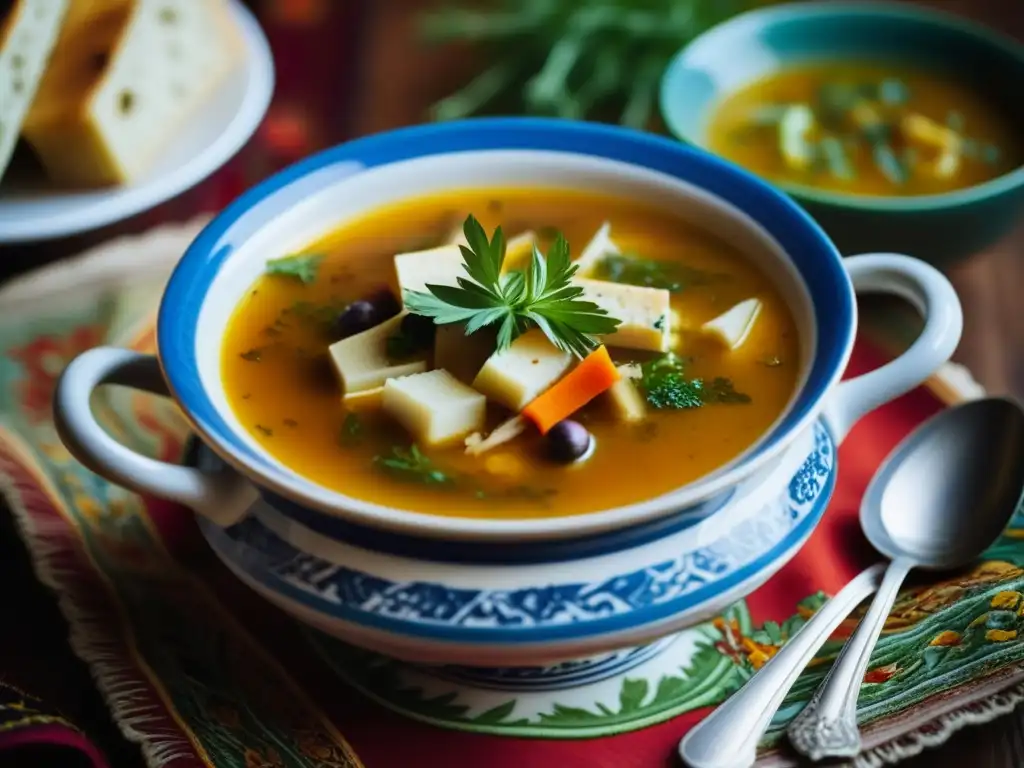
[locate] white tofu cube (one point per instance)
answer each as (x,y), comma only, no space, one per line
(435,407)
(645,313)
(624,399)
(436,266)
(600,245)
(365,401)
(362,363)
(733,327)
(515,376)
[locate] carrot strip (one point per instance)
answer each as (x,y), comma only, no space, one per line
(595,374)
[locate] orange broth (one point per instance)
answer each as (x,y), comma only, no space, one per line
(287,396)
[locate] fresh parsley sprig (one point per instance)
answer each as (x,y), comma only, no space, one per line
(542,296)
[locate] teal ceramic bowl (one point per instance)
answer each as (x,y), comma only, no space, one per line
(937,228)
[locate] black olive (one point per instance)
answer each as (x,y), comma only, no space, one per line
(419,330)
(357,317)
(568,441)
(385,304)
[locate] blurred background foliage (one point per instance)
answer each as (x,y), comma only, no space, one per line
(599,60)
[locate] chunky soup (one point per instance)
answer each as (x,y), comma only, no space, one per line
(616,354)
(865,129)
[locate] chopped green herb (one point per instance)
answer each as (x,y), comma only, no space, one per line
(400,347)
(302,267)
(666,387)
(835,100)
(673,391)
(893,92)
(291,423)
(542,296)
(319,315)
(403,345)
(721,390)
(634,270)
(835,157)
(351,430)
(955,121)
(990,154)
(889,164)
(253,355)
(410,465)
(659,324)
(265,430)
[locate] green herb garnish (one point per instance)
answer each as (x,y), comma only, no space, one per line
(410,465)
(351,430)
(542,296)
(265,430)
(253,355)
(666,386)
(835,157)
(401,347)
(635,270)
(889,164)
(303,266)
(721,390)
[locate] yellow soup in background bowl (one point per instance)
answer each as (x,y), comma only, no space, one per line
(897,128)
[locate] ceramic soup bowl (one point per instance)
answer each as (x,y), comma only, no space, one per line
(940,228)
(300,204)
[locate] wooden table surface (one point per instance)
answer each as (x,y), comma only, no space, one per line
(395,82)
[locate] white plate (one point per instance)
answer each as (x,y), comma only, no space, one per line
(207,142)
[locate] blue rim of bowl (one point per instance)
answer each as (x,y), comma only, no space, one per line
(927,16)
(254,564)
(809,249)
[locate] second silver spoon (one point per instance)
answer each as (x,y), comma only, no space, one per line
(939,500)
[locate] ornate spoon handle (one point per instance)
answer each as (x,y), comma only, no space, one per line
(728,737)
(827,726)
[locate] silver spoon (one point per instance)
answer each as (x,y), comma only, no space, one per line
(941,498)
(945,493)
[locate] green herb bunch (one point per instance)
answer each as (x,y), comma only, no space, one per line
(599,59)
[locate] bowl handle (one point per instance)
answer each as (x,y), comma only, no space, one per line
(933,296)
(223,496)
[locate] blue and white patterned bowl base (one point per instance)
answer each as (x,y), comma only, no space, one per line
(513,626)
